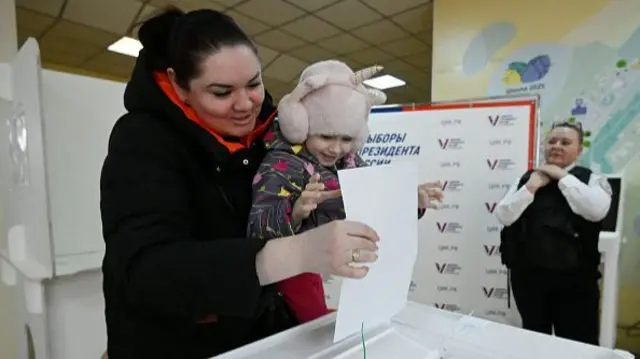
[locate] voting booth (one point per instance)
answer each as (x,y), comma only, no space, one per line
(53,139)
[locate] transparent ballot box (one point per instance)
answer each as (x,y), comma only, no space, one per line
(421,332)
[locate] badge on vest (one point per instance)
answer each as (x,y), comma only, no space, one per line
(603,182)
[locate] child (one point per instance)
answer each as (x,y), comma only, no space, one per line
(321,126)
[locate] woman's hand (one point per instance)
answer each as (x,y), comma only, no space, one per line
(308,201)
(536,181)
(334,247)
(428,193)
(553,171)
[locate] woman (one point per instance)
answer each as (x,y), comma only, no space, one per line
(181,280)
(553,217)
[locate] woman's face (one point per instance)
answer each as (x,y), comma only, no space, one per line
(563,146)
(228,93)
(328,149)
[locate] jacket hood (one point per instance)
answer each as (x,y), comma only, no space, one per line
(143,95)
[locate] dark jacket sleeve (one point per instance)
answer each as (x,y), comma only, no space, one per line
(151,261)
(277,185)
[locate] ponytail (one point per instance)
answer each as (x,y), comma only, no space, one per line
(155,34)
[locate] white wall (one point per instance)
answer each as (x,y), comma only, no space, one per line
(9,338)
(79,113)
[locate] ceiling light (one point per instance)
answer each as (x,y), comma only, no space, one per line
(384,82)
(387,105)
(126,46)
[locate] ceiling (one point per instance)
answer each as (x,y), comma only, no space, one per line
(74,34)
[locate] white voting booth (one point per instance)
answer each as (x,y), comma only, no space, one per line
(53,139)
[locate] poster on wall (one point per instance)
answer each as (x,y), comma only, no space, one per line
(476,152)
(607,103)
(582,68)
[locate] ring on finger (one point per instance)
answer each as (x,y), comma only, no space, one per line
(355,255)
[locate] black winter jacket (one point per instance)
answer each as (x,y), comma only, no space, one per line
(179,273)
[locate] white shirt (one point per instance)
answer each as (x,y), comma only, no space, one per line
(591,201)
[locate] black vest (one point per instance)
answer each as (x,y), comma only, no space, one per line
(548,235)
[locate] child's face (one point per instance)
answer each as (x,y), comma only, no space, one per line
(328,149)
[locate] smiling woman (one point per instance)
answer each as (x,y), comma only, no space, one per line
(224,102)
(181,278)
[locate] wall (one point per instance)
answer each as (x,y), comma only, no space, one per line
(8,298)
(581,56)
(73,176)
(8,48)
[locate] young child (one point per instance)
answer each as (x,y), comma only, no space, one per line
(321,126)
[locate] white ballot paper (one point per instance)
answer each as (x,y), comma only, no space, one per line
(386,199)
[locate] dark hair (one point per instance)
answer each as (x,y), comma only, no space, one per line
(575,125)
(178,40)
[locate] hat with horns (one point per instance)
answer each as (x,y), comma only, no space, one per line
(329,99)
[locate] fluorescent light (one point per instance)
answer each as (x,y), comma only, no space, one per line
(387,106)
(126,46)
(384,82)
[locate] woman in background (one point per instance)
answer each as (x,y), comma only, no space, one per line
(553,217)
(181,278)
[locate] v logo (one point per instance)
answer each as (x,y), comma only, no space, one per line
(492,164)
(444,185)
(491,250)
(490,206)
(488,292)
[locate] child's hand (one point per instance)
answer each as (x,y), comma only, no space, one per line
(308,201)
(429,192)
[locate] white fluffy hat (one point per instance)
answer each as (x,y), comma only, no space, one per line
(330,99)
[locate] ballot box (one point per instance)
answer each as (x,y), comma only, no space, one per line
(421,332)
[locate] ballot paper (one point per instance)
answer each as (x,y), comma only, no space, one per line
(386,199)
